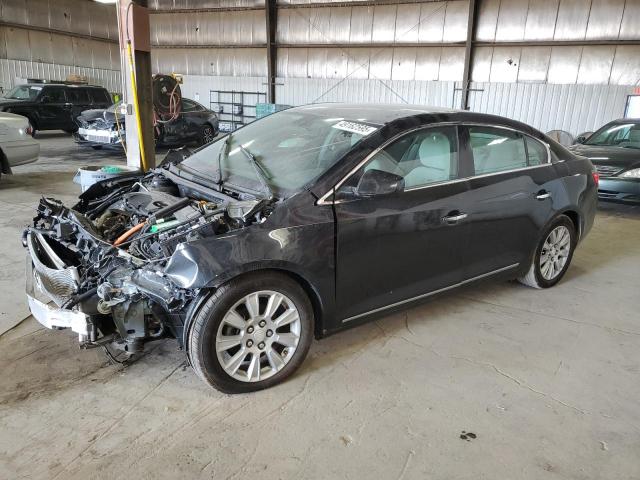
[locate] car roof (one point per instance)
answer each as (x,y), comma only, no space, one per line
(370,112)
(74,85)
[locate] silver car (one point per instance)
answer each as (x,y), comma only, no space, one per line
(17,146)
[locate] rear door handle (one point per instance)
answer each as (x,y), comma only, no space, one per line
(543,195)
(454,217)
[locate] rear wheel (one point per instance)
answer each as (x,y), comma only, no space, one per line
(252,333)
(552,255)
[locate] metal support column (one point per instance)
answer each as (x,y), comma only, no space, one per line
(468,55)
(133,24)
(271,17)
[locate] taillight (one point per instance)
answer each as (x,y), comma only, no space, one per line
(29,130)
(596,178)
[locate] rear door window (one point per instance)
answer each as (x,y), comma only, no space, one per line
(496,150)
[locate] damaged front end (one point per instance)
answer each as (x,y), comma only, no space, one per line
(99,267)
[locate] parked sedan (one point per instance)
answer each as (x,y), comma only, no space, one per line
(106,128)
(615,151)
(302,224)
(17,147)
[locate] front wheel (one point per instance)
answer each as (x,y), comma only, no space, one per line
(553,254)
(252,333)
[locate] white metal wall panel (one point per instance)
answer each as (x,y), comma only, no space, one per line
(210,61)
(541,20)
(361,24)
(605,18)
(195,4)
(595,64)
(512,20)
(571,23)
(455,21)
(626,66)
(300,91)
(564,64)
(431,26)
(487,20)
(407,27)
(534,64)
(629,28)
(384,23)
(428,63)
(197,87)
(574,108)
(504,64)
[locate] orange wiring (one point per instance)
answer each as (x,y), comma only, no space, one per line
(128,233)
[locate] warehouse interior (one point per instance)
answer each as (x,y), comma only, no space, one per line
(492,380)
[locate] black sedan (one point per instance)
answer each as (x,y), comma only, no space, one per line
(105,128)
(302,224)
(615,152)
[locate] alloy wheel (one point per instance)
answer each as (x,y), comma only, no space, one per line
(555,252)
(258,336)
(207,135)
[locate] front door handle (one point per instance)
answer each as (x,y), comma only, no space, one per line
(543,195)
(454,217)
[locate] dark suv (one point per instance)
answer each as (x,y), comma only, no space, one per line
(54,106)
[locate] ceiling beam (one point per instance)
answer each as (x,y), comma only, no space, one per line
(271,18)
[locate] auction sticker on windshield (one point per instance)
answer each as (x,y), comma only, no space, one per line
(355,127)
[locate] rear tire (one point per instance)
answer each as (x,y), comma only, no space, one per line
(553,254)
(252,333)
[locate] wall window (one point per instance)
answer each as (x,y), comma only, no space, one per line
(422,158)
(496,150)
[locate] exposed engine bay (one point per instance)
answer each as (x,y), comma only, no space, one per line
(102,261)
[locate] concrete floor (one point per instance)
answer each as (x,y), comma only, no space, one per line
(547,381)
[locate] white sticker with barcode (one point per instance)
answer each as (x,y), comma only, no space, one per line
(355,127)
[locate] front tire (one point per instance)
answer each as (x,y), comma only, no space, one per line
(553,254)
(252,333)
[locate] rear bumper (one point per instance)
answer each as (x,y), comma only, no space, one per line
(21,152)
(619,190)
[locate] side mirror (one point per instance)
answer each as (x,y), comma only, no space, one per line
(45,99)
(581,139)
(377,182)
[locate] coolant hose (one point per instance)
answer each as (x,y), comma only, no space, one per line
(128,233)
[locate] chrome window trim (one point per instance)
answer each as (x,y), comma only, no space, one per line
(324,199)
(428,294)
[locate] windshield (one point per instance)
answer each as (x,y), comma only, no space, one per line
(291,149)
(618,135)
(24,92)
